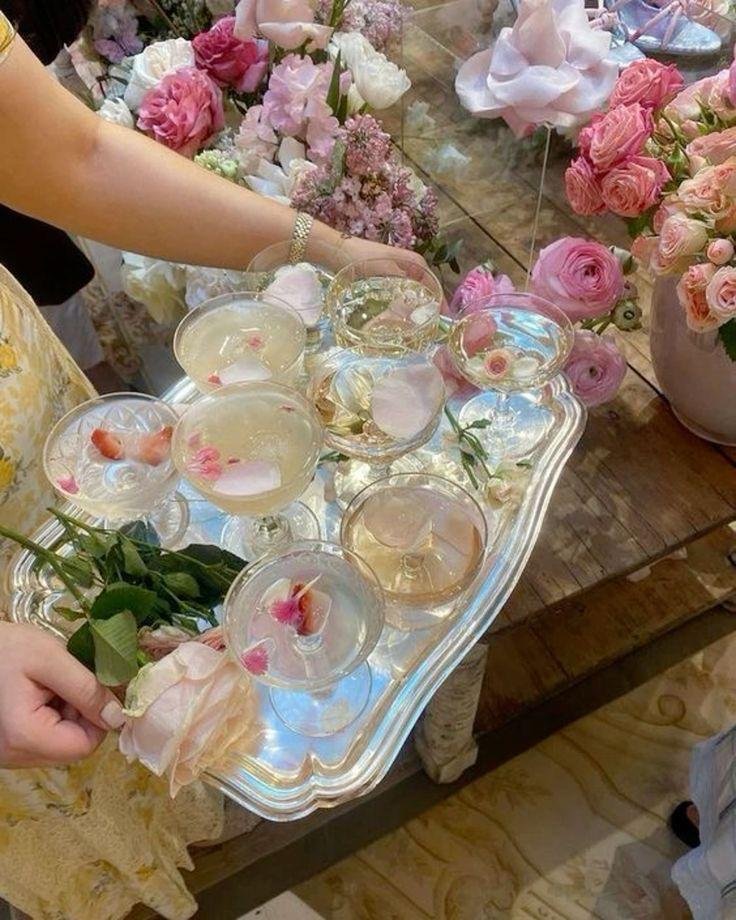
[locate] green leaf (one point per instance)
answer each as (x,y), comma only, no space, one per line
(116,648)
(727,334)
(68,613)
(207,554)
(133,564)
(333,93)
(182,584)
(121,597)
(81,645)
(97,544)
(79,570)
(139,530)
(635,225)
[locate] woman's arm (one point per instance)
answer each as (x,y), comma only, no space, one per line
(63,164)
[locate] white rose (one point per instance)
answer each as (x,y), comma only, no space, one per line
(276,180)
(153,64)
(379,81)
(206,283)
(116,111)
(158,285)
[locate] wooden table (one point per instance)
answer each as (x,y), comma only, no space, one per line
(640,494)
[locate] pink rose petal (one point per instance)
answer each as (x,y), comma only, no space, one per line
(299,287)
(248,367)
(215,380)
(68,484)
(256,658)
(248,477)
(406,400)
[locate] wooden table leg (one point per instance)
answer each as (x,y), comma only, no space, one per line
(444,737)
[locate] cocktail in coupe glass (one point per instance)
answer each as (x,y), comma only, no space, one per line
(423,536)
(375,411)
(303,285)
(251,449)
(510,346)
(111,456)
(304,623)
(242,337)
(385,306)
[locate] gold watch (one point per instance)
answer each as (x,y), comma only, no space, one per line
(300,236)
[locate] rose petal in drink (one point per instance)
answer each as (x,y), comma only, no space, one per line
(68,484)
(406,400)
(478,333)
(107,443)
(246,368)
(205,463)
(281,604)
(400,518)
(257,657)
(256,341)
(497,363)
(314,607)
(214,379)
(151,449)
(248,477)
(298,286)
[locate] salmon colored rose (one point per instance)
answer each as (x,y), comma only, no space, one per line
(691,290)
(720,252)
(711,149)
(648,82)
(620,133)
(680,238)
(634,186)
(711,193)
(582,188)
(720,294)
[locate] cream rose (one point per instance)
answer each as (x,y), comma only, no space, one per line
(691,292)
(721,294)
(153,64)
(679,238)
(117,112)
(379,81)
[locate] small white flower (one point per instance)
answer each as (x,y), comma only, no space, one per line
(158,285)
(379,81)
(508,485)
(153,64)
(117,112)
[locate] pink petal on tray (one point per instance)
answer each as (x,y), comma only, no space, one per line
(298,286)
(246,368)
(248,477)
(406,400)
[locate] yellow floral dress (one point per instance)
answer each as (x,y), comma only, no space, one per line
(85,842)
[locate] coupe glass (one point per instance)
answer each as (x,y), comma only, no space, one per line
(510,346)
(304,623)
(111,456)
(252,449)
(385,306)
(423,536)
(242,337)
(324,260)
(375,411)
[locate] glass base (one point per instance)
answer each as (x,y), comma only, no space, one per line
(325,712)
(519,423)
(170,520)
(353,476)
(253,538)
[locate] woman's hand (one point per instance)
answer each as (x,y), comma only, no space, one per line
(354,249)
(52,709)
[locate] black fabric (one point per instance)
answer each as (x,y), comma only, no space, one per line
(43,259)
(683,828)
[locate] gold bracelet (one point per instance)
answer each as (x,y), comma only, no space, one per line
(300,236)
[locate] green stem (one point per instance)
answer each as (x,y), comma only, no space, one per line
(56,562)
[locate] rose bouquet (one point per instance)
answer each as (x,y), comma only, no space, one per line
(664,158)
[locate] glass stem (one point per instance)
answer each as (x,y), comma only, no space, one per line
(503,416)
(377,471)
(270,531)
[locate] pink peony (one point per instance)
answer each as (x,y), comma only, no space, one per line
(230,61)
(634,186)
(614,137)
(595,368)
(582,277)
(691,290)
(720,252)
(582,187)
(647,82)
(183,111)
(478,283)
(680,238)
(288,24)
(711,149)
(720,294)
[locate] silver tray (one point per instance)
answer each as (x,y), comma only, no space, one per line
(281,775)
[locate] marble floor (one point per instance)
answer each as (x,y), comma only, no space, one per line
(574,828)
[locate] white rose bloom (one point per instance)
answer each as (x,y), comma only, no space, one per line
(276,180)
(153,64)
(206,283)
(116,111)
(158,285)
(379,81)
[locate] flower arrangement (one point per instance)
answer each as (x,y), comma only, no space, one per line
(279,96)
(664,158)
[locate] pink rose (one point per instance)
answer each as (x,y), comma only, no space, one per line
(711,92)
(643,248)
(680,238)
(595,368)
(711,194)
(289,24)
(582,187)
(633,187)
(183,111)
(720,294)
(719,252)
(478,283)
(691,290)
(582,277)
(648,82)
(711,148)
(228,60)
(614,137)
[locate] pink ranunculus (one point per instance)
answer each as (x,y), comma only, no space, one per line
(183,111)
(478,283)
(583,189)
(595,368)
(455,382)
(713,148)
(634,186)
(711,193)
(720,252)
(691,290)
(231,61)
(289,24)
(720,294)
(184,712)
(648,82)
(620,133)
(680,238)
(582,277)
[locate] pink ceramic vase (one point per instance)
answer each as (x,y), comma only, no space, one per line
(694,371)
